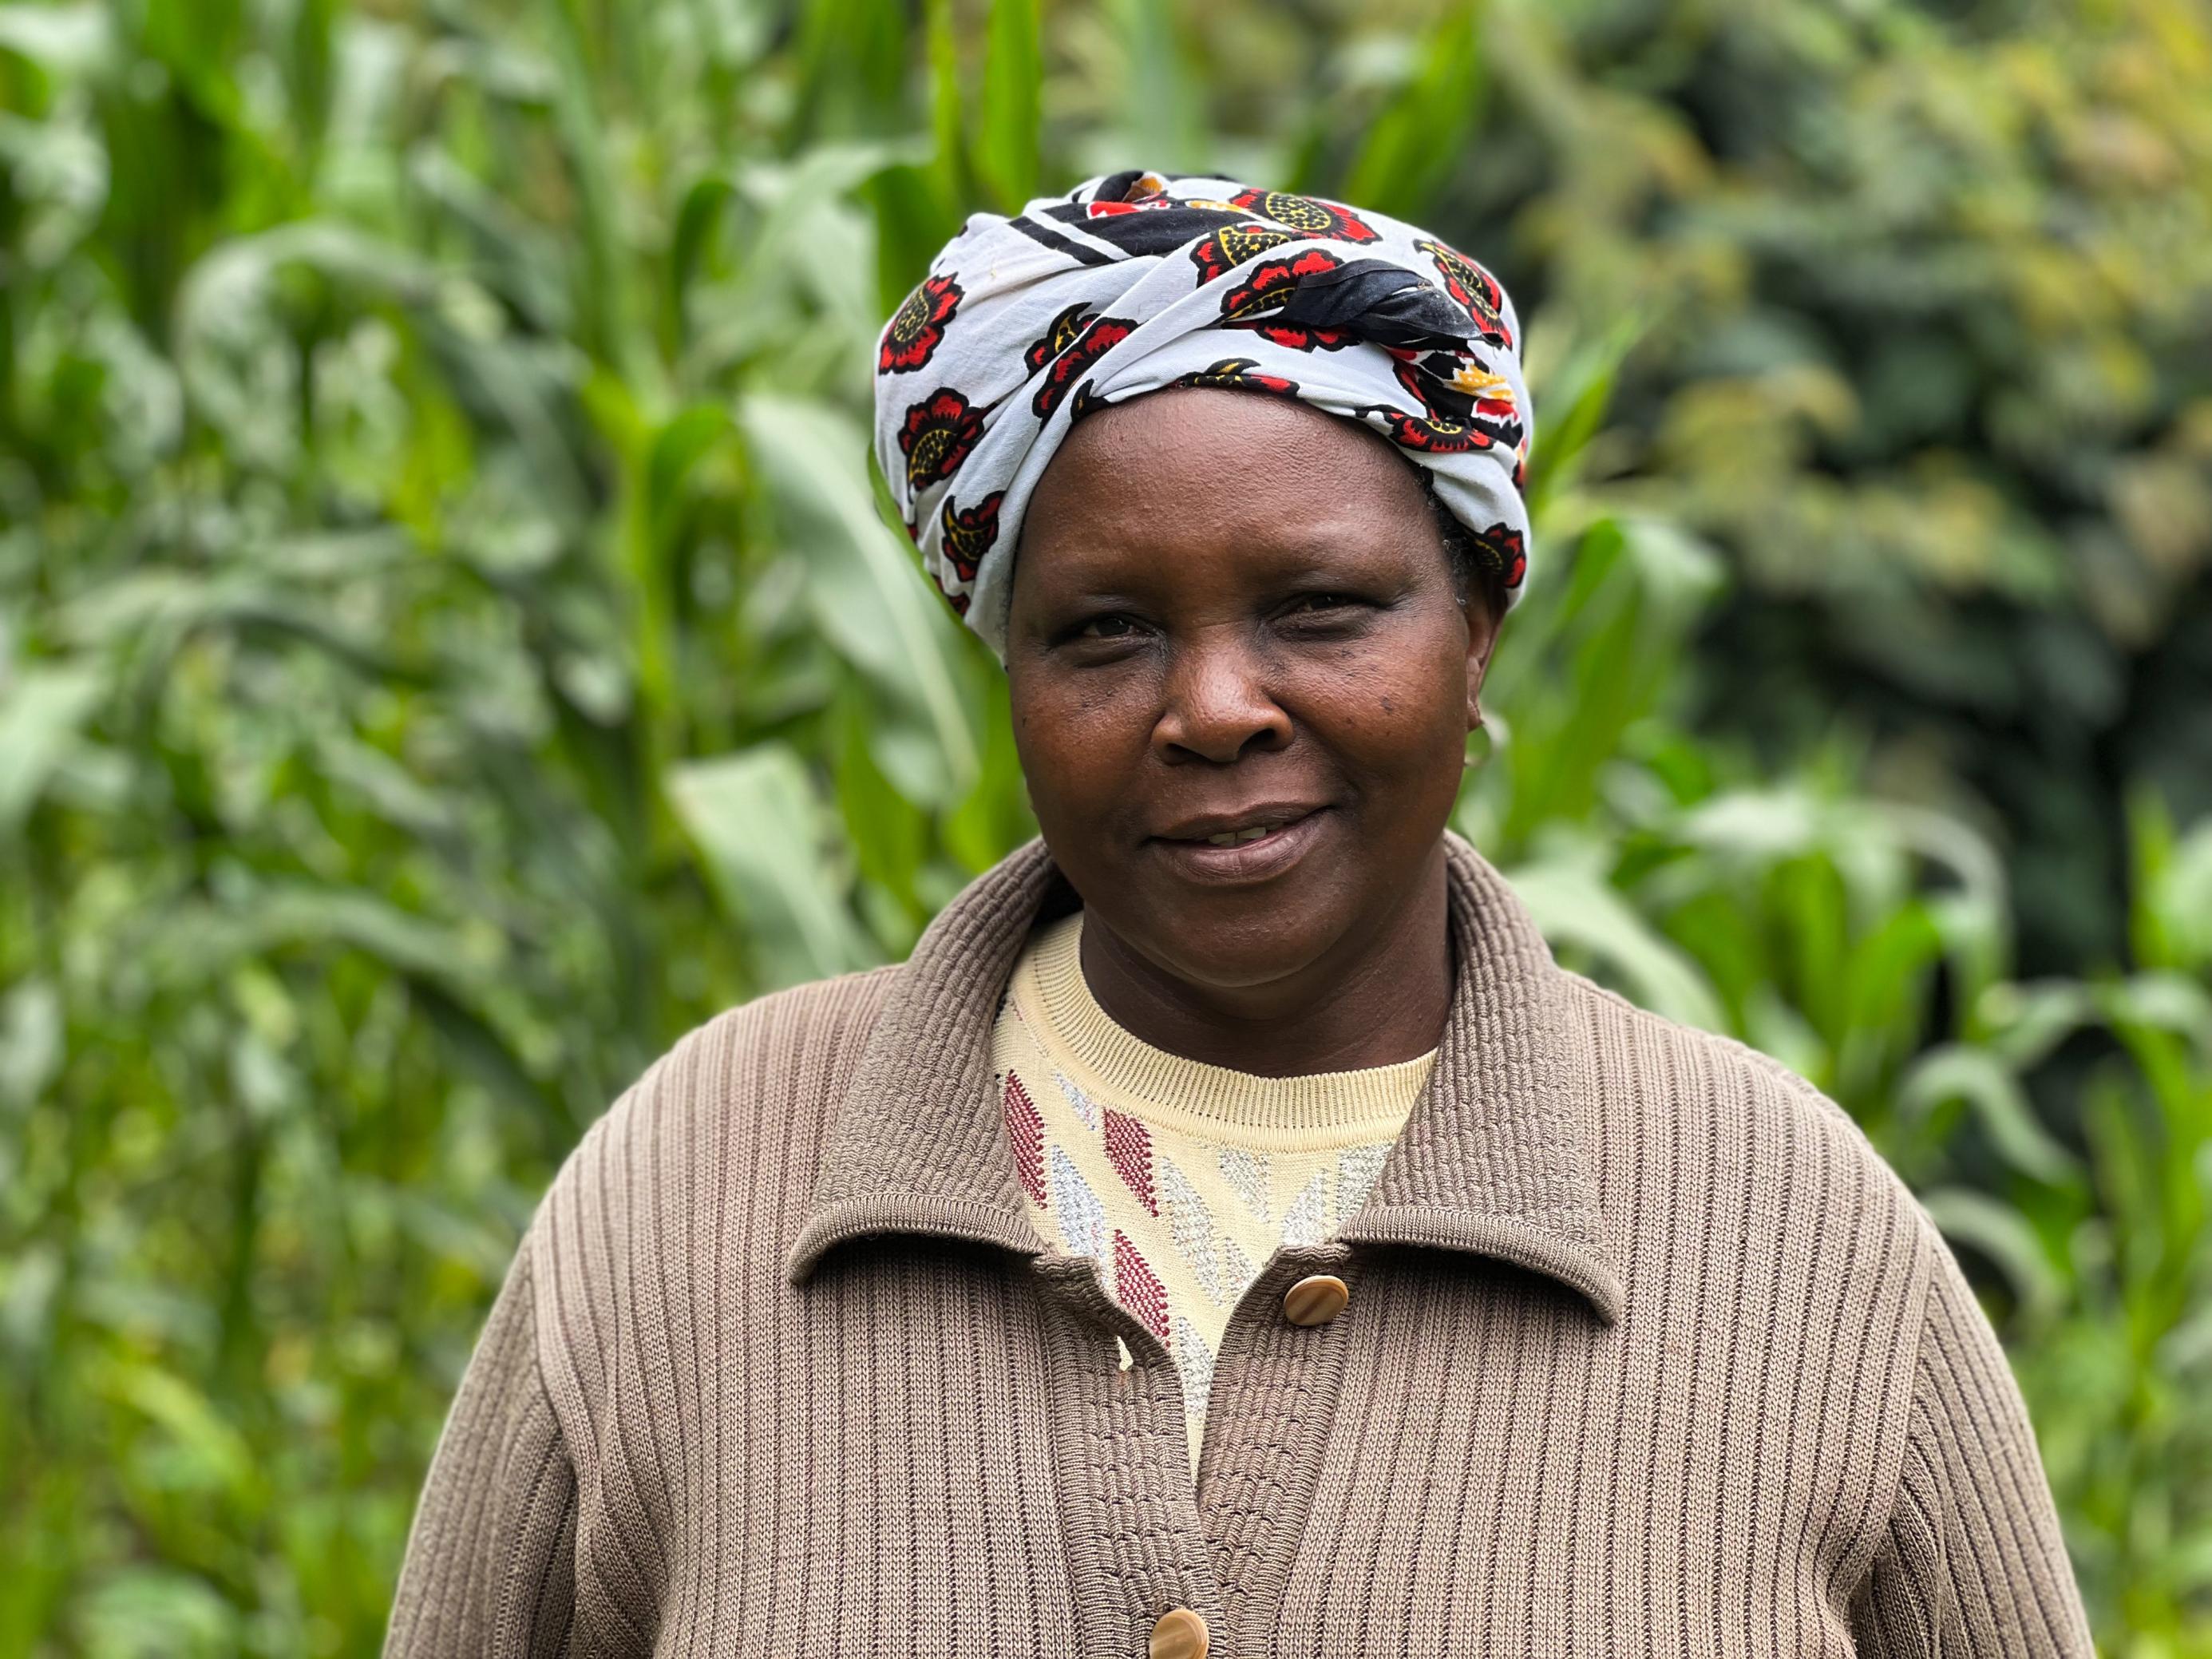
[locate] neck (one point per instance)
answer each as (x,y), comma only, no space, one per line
(1375,998)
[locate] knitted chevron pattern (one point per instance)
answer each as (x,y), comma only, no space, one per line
(1179,1178)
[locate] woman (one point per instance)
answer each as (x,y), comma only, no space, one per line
(1231,1231)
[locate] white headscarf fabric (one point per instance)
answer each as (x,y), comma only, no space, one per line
(1138,281)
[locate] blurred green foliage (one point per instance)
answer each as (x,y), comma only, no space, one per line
(450,644)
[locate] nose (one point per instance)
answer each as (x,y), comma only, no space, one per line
(1215,704)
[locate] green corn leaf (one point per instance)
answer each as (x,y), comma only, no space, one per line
(1993,1093)
(1577,909)
(1571,400)
(2002,1235)
(760,825)
(1005,140)
(68,41)
(1412,146)
(41,711)
(868,597)
(949,162)
(1163,108)
(216,1455)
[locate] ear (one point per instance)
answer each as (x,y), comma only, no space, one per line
(1481,640)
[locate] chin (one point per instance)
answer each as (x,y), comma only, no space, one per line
(1229,942)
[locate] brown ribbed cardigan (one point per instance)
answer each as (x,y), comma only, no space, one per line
(1648,1352)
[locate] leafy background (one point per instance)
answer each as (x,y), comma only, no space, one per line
(450,644)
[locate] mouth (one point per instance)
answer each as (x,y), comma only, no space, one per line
(1254,846)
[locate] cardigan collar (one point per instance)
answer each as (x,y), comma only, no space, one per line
(1496,1158)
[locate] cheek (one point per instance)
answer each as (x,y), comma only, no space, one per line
(1073,741)
(1397,715)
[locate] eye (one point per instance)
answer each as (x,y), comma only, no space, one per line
(1327,605)
(1088,636)
(1106,627)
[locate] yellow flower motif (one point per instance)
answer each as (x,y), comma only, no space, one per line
(1478,382)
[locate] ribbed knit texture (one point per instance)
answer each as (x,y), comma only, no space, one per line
(1648,1352)
(1179,1178)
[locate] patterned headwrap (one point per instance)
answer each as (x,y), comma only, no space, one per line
(1138,281)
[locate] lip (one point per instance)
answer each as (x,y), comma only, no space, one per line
(1297,829)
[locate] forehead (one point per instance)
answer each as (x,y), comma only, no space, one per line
(1204,468)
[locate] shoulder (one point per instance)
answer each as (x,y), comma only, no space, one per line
(764,1056)
(678,1194)
(1718,1080)
(1764,1240)
(777,1052)
(1704,1128)
(738,1105)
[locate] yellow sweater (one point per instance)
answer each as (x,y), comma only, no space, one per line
(1180,1178)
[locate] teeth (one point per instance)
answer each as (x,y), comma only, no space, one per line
(1236,837)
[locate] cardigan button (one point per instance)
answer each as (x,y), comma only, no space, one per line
(1316,1300)
(1178,1634)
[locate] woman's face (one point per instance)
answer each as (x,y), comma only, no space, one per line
(1232,614)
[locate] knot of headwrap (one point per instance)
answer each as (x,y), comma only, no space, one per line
(1138,281)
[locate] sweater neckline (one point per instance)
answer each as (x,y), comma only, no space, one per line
(1313,1109)
(1499,1158)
